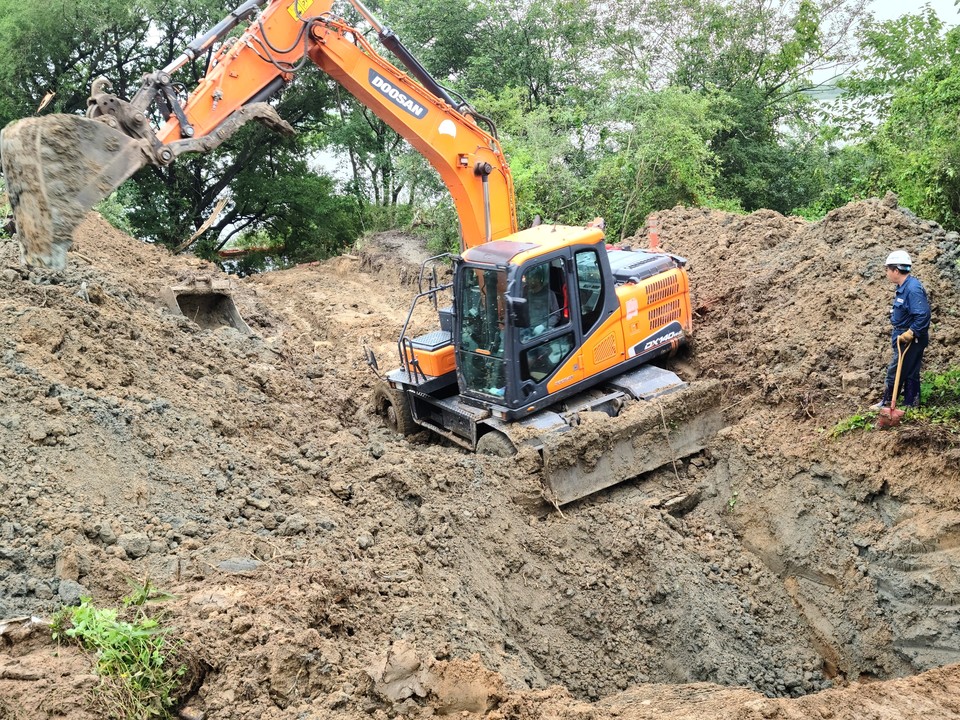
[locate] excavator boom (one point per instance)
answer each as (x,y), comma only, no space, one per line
(58,166)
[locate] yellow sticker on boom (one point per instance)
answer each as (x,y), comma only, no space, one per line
(300,6)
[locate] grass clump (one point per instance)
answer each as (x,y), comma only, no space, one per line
(137,681)
(941,389)
(940,406)
(859,421)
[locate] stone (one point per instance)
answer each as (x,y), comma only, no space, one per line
(70,592)
(259,503)
(236,565)
(135,544)
(293,525)
(68,565)
(106,534)
(855,380)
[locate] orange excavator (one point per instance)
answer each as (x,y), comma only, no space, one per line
(548,329)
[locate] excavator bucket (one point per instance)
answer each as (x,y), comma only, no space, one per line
(57,167)
(647,434)
(207,302)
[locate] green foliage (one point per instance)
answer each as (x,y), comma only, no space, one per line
(732,502)
(542,154)
(940,395)
(541,48)
(656,155)
(757,60)
(941,389)
(858,421)
(894,54)
(106,37)
(438,224)
(115,211)
(899,108)
(918,146)
(616,109)
(844,175)
(132,653)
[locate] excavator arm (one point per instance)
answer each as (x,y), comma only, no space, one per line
(59,166)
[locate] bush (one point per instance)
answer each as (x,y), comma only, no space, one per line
(136,680)
(941,389)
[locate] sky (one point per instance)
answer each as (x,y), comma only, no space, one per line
(890,9)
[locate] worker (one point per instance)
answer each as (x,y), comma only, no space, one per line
(544,310)
(910,318)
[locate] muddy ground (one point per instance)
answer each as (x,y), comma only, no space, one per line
(323,567)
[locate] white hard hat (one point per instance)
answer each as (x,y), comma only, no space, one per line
(898,257)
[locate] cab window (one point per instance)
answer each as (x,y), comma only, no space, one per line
(589,288)
(544,286)
(481,331)
(539,362)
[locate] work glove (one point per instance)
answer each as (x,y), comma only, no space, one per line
(906,338)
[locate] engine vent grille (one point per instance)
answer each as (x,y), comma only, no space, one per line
(664,314)
(662,289)
(605,349)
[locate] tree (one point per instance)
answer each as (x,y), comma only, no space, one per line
(753,61)
(39,55)
(122,41)
(894,54)
(918,143)
(657,156)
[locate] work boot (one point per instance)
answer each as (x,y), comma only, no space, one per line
(911,393)
(885,402)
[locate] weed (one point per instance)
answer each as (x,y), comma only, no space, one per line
(859,421)
(941,389)
(136,681)
(732,502)
(941,406)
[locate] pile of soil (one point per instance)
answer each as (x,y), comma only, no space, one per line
(324,567)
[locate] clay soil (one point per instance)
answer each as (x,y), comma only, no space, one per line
(323,567)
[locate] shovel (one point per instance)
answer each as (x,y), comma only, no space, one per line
(891,417)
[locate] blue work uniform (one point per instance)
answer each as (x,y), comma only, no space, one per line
(911,311)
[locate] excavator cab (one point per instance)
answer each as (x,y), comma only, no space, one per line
(527,307)
(515,330)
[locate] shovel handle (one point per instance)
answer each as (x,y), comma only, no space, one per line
(896,382)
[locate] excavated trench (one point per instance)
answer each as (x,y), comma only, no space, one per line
(770,575)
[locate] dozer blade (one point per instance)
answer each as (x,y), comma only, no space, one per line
(57,168)
(646,435)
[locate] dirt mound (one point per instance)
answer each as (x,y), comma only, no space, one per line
(794,313)
(324,567)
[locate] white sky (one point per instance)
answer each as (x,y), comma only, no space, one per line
(890,9)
